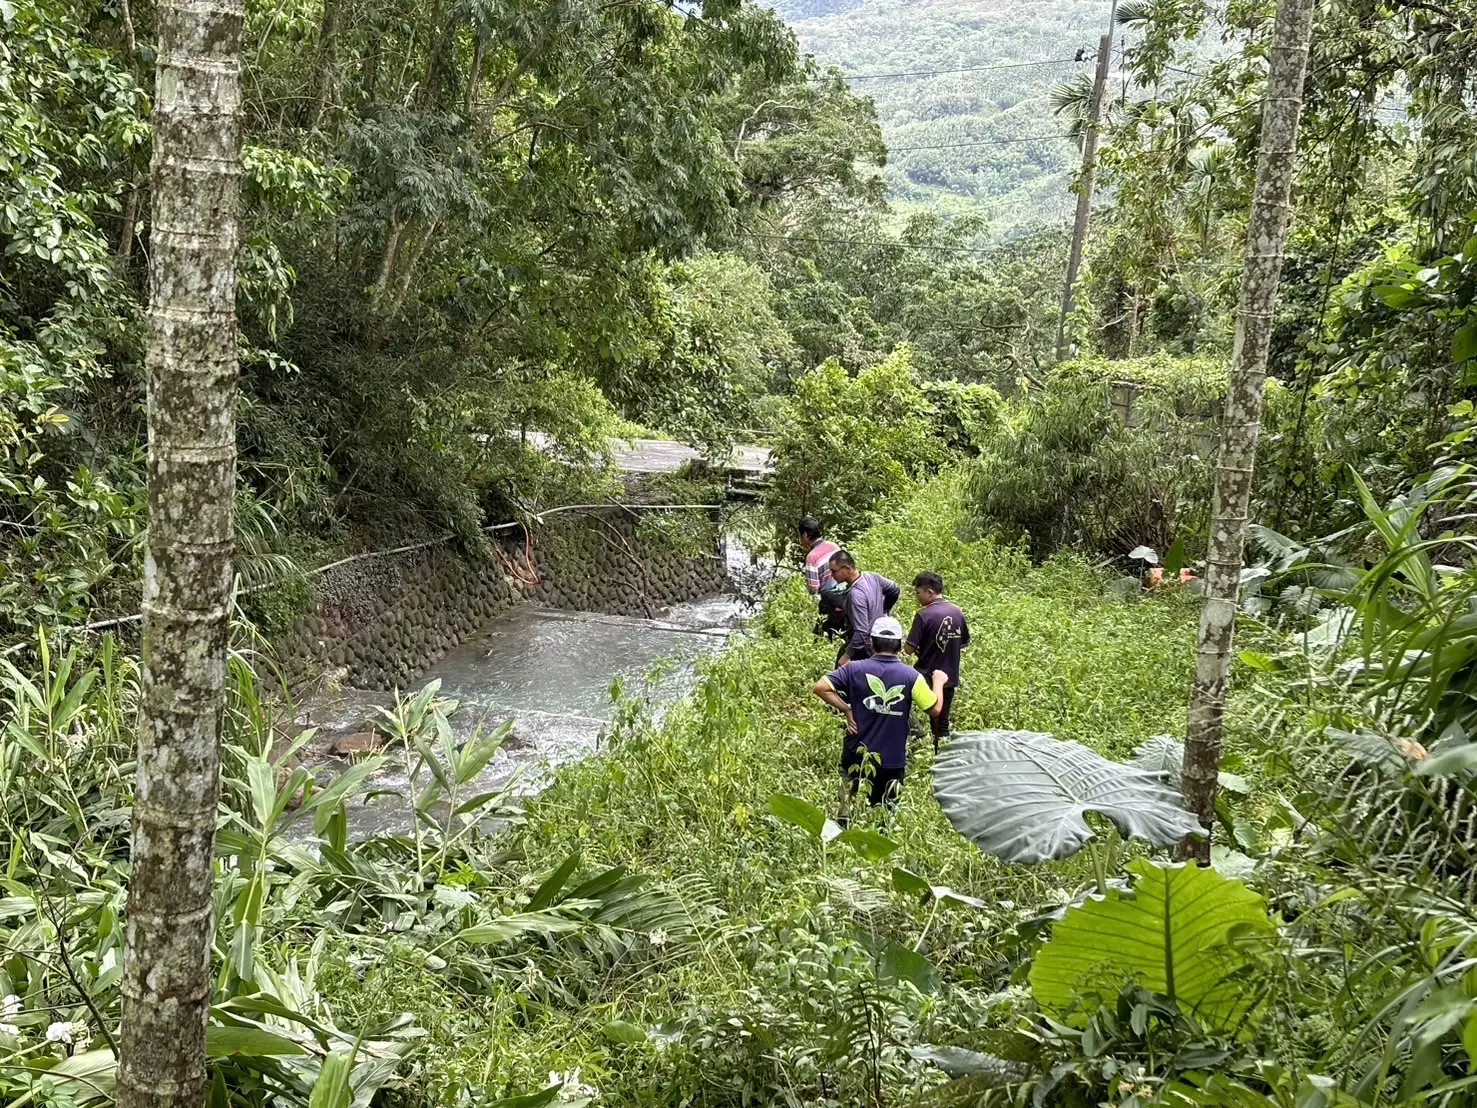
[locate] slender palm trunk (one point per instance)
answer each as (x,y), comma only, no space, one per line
(1271,212)
(187,568)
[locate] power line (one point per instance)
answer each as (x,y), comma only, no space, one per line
(981,142)
(939,72)
(794,239)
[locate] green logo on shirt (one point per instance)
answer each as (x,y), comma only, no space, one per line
(883,698)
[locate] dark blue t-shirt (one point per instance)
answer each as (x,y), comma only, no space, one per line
(938,634)
(881,691)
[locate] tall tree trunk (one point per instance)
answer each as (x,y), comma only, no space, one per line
(187,567)
(1271,212)
(325,64)
(474,75)
(130,221)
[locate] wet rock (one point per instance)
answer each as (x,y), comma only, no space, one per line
(363,742)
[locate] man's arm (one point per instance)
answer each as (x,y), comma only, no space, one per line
(828,695)
(931,700)
(859,615)
(964,638)
(890,593)
(812,576)
(915,635)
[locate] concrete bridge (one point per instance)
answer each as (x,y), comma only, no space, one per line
(748,464)
(745,467)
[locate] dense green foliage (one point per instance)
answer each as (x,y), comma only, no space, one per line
(458,223)
(1373,339)
(1110,456)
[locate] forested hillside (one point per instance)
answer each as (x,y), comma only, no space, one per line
(969,126)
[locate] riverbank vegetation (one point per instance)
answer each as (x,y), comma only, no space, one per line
(672,922)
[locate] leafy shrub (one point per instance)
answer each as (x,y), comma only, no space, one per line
(965,415)
(846,447)
(1106,457)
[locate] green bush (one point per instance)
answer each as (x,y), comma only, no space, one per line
(1110,455)
(844,446)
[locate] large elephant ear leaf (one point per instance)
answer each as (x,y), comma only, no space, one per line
(1021,796)
(1162,756)
(1185,932)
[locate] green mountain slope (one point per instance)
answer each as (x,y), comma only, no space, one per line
(994,144)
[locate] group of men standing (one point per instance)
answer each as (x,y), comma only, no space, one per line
(871,685)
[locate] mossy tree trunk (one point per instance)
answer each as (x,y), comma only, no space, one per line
(187,568)
(1271,212)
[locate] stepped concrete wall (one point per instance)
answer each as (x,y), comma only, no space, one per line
(381,622)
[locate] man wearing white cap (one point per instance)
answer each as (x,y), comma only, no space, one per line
(877,694)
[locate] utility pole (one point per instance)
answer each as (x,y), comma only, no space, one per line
(1084,188)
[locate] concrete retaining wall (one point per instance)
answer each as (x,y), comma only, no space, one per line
(381,622)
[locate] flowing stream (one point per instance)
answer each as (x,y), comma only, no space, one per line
(548,672)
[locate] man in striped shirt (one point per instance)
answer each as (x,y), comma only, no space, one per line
(818,553)
(818,579)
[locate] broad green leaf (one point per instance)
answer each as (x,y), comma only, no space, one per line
(91,1075)
(529,1100)
(1395,296)
(1164,756)
(331,1089)
(1181,932)
(871,845)
(802,813)
(619,1031)
(475,756)
(481,800)
(262,780)
(908,882)
(1464,343)
(514,926)
(1233,783)
(1161,755)
(551,885)
(266,1004)
(1441,1012)
(429,759)
(1459,760)
(243,950)
(1469,1041)
(1256,660)
(958,1061)
(254,1042)
(322,801)
(900,963)
(1021,796)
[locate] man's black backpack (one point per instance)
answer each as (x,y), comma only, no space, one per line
(833,609)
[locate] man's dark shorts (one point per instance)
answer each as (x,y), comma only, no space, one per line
(886,783)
